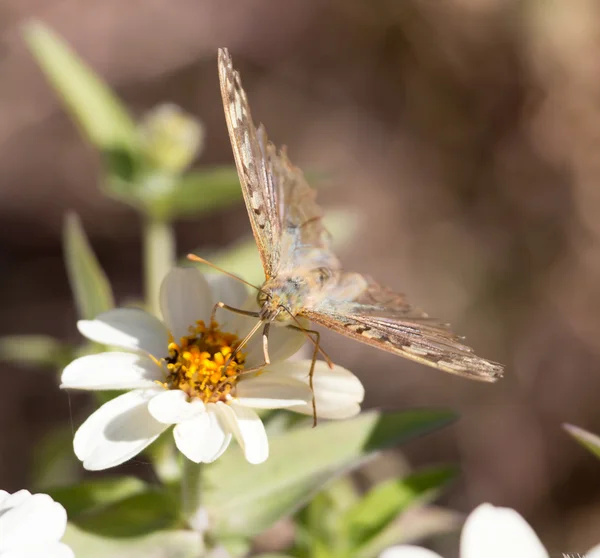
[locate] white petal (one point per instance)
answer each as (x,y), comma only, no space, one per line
(55,550)
(15,499)
(272,392)
(499,532)
(173,406)
(37,514)
(127,328)
(117,431)
(202,439)
(593,553)
(185,298)
(248,430)
(408,551)
(338,392)
(111,371)
(228,290)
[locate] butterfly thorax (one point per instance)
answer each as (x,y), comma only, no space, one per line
(284,296)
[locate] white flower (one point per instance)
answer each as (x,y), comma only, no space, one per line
(176,376)
(31,526)
(489,532)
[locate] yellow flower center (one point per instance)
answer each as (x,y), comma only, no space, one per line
(201,364)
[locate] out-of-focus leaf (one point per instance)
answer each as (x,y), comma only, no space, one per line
(165,544)
(90,495)
(236,547)
(242,258)
(136,515)
(389,499)
(411,527)
(91,290)
(245,499)
(100,115)
(588,440)
(35,350)
(55,463)
(198,192)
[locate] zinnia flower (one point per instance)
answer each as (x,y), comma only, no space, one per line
(181,372)
(31,526)
(490,532)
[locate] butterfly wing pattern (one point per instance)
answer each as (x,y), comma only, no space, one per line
(291,238)
(385,320)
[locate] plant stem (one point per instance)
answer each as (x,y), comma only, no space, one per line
(191,496)
(159,257)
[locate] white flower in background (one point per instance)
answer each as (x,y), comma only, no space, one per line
(176,376)
(31,526)
(490,532)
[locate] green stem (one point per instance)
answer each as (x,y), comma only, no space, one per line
(191,495)
(159,257)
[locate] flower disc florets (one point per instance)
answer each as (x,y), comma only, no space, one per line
(205,364)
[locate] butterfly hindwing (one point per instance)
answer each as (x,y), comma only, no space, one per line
(385,320)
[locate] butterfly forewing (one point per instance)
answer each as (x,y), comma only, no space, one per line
(250,150)
(292,241)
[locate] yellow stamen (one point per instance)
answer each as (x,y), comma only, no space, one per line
(196,364)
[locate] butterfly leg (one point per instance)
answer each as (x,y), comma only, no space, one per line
(317,347)
(230,309)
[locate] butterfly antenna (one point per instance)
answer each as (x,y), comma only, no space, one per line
(194,258)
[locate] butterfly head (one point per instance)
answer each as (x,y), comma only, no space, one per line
(285,296)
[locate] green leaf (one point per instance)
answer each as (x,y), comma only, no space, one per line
(243,260)
(245,499)
(91,495)
(91,290)
(35,350)
(202,191)
(100,115)
(410,528)
(136,515)
(389,499)
(165,544)
(54,462)
(588,440)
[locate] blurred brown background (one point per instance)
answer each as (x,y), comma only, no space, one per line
(466,134)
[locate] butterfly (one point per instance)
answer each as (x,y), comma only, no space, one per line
(304,278)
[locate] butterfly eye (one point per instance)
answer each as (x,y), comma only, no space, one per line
(262,297)
(323,274)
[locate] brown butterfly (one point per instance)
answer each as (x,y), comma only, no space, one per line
(304,278)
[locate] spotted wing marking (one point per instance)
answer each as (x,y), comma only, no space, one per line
(251,153)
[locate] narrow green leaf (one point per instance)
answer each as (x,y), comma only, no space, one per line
(36,350)
(164,544)
(387,500)
(90,495)
(245,499)
(136,515)
(91,290)
(100,115)
(588,440)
